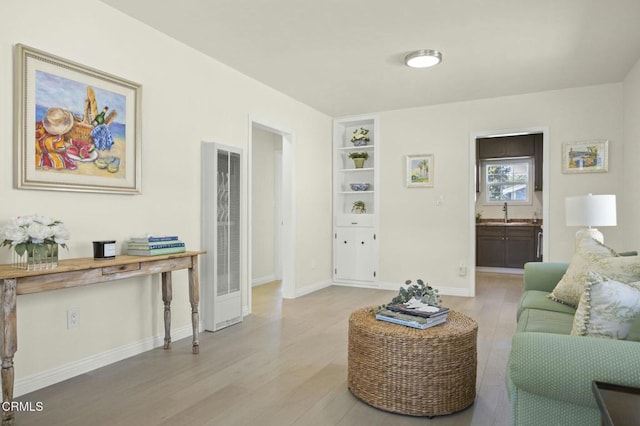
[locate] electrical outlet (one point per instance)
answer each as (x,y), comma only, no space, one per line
(73,318)
(462,270)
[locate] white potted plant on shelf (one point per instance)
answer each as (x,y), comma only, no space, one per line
(360,137)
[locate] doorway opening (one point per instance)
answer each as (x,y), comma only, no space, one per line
(539,209)
(271,225)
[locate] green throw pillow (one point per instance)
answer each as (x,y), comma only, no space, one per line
(570,287)
(607,308)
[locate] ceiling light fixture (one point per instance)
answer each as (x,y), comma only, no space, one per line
(423,58)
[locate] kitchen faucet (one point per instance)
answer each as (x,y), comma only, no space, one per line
(505,209)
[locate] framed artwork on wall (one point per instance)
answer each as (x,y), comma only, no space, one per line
(419,171)
(585,157)
(76,128)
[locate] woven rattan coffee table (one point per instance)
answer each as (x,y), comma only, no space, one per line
(405,370)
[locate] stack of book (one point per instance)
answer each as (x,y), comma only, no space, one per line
(415,317)
(154,245)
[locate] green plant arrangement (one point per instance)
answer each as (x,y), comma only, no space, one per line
(359,158)
(364,155)
(422,292)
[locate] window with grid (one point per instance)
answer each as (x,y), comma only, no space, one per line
(507,180)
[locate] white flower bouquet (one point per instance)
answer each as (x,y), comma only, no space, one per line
(32,234)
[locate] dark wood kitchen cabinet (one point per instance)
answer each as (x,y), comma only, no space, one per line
(506,146)
(506,246)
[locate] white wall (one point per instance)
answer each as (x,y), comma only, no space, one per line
(420,240)
(631,201)
(265,145)
(187,97)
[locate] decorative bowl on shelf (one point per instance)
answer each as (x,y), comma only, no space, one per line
(359,186)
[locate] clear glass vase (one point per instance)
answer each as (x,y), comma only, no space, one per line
(37,257)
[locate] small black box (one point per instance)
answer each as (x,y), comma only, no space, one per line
(104,249)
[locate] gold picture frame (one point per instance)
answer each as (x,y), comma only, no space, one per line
(76,128)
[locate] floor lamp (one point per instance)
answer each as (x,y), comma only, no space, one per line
(590,211)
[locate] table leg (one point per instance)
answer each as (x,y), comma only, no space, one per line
(167,295)
(194,299)
(9,345)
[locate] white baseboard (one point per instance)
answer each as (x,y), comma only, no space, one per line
(263,280)
(313,287)
(55,375)
(443,290)
(513,271)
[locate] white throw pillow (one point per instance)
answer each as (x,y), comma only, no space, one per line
(588,252)
(607,308)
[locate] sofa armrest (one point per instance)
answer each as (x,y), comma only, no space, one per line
(543,276)
(562,367)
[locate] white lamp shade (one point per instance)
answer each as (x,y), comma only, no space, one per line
(591,210)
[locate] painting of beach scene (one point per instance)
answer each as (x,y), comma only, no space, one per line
(419,171)
(585,157)
(79,128)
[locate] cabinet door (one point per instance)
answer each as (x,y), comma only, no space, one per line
(355,254)
(506,146)
(520,146)
(520,247)
(490,246)
(345,253)
(491,148)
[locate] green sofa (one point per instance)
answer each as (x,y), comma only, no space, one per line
(550,372)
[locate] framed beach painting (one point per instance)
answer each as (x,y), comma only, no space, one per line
(76,128)
(419,172)
(585,157)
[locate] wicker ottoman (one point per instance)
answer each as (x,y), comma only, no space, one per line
(405,370)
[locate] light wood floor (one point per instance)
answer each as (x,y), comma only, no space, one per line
(286,364)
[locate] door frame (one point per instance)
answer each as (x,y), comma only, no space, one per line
(472,191)
(288,223)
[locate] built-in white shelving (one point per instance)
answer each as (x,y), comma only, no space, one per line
(355,251)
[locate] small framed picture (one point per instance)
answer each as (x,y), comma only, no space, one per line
(585,157)
(419,173)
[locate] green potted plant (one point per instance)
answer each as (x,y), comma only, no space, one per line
(359,207)
(359,158)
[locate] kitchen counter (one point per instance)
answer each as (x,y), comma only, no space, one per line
(511,222)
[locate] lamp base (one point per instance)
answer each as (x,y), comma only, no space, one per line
(590,233)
